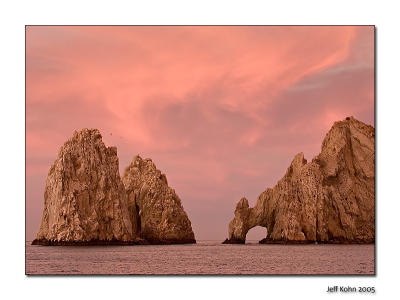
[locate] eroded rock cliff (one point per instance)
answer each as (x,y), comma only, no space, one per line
(162,219)
(330,199)
(85,199)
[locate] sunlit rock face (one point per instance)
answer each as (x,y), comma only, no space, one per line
(85,199)
(162,219)
(330,199)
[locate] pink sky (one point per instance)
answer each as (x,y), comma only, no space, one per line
(221,110)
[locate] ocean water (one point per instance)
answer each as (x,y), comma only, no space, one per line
(205,257)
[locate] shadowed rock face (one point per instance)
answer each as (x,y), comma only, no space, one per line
(330,199)
(85,199)
(162,219)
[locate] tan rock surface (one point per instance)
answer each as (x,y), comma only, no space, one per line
(330,199)
(162,219)
(85,199)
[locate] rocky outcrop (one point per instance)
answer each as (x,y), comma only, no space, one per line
(162,219)
(328,200)
(85,199)
(86,202)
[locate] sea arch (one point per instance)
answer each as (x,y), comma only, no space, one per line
(245,219)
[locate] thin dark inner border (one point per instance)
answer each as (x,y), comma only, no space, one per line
(224,275)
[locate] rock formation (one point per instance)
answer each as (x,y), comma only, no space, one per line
(329,200)
(162,219)
(85,199)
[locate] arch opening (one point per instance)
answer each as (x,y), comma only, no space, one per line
(256,234)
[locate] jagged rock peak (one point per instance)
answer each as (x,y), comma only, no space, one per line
(85,199)
(242,204)
(147,166)
(296,165)
(330,199)
(162,219)
(350,127)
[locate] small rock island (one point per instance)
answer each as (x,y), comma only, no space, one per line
(328,200)
(87,203)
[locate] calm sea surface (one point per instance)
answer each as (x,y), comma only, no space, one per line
(205,257)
